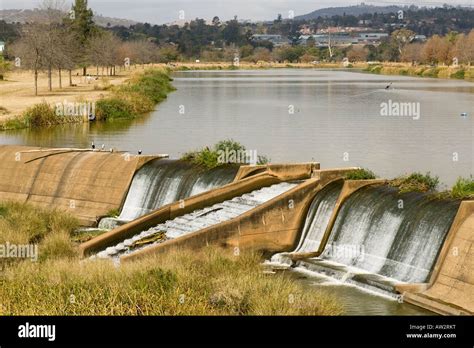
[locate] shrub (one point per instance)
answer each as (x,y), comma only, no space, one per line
(416,182)
(376,69)
(360,174)
(212,157)
(112,108)
(40,115)
(463,188)
(431,72)
(458,74)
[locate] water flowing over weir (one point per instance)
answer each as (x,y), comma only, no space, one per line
(319,213)
(196,220)
(397,236)
(161,182)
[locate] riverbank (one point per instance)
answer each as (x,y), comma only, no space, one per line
(386,68)
(127,95)
(211,282)
(443,72)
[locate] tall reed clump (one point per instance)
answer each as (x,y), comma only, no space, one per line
(139,95)
(50,230)
(38,115)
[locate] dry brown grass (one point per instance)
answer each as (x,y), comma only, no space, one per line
(208,282)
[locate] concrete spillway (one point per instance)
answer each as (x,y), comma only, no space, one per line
(396,236)
(164,181)
(319,213)
(196,220)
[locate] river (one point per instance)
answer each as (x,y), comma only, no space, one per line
(339,118)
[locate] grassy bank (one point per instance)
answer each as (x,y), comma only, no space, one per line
(445,72)
(136,96)
(209,282)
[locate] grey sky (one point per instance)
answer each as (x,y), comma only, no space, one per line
(164,11)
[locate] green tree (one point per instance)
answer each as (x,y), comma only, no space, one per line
(82,24)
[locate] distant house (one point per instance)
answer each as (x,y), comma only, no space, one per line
(371,38)
(276,40)
(322,40)
(2,46)
(419,38)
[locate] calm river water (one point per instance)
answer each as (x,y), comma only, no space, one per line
(334,117)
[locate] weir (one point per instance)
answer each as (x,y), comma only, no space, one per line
(196,220)
(161,182)
(397,235)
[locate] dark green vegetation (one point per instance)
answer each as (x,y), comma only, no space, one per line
(463,188)
(223,153)
(138,96)
(416,182)
(360,174)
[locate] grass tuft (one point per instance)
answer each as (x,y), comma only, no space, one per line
(360,174)
(416,182)
(463,188)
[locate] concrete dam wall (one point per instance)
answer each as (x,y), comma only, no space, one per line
(86,183)
(306,217)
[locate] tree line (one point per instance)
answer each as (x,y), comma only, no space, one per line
(67,40)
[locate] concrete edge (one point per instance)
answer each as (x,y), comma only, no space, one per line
(174,209)
(349,187)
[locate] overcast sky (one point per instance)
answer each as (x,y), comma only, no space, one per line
(165,11)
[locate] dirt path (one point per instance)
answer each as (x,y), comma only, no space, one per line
(17,90)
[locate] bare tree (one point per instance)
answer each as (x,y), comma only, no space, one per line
(28,50)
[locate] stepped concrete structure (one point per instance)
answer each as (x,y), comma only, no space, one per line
(272,226)
(451,287)
(264,209)
(350,186)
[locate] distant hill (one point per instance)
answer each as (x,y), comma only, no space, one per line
(355,10)
(35,15)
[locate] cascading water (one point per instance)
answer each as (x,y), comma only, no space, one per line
(317,220)
(196,220)
(393,235)
(161,182)
(319,213)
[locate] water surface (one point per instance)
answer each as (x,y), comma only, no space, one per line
(292,115)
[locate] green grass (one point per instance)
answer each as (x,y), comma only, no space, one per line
(206,282)
(460,74)
(463,188)
(416,182)
(209,158)
(360,174)
(138,96)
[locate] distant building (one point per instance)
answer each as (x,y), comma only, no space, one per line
(344,39)
(306,30)
(371,38)
(322,40)
(276,40)
(419,38)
